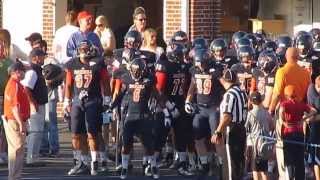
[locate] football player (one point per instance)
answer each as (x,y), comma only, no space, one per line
(206,86)
(307,57)
(283,43)
(218,49)
(134,95)
(86,78)
(245,68)
(235,38)
(172,76)
(265,75)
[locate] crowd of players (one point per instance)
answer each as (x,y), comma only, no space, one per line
(171,103)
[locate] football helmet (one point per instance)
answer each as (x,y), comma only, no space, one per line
(304,44)
(201,59)
(218,48)
(133,40)
(268,62)
(137,68)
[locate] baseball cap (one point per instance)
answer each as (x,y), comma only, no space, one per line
(289,91)
(229,76)
(84,14)
(255,97)
(16,66)
(34,37)
(37,52)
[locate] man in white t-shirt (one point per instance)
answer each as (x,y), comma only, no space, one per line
(37,92)
(59,45)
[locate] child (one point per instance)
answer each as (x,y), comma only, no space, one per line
(257,118)
(291,115)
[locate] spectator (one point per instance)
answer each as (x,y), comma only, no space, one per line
(105,34)
(139,20)
(5,62)
(291,114)
(16,113)
(290,74)
(258,119)
(314,127)
(37,92)
(150,43)
(232,118)
(85,20)
(62,35)
(12,50)
(50,141)
(34,40)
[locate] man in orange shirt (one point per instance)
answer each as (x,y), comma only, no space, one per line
(16,113)
(290,74)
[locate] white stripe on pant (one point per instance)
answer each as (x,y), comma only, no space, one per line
(228,154)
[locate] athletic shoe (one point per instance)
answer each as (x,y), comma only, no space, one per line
(167,161)
(78,169)
(175,165)
(183,169)
(94,168)
(147,170)
(204,170)
(124,173)
(193,168)
(104,167)
(155,173)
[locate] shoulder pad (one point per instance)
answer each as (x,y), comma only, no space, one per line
(211,70)
(92,63)
(118,52)
(227,59)
(70,63)
(147,81)
(161,67)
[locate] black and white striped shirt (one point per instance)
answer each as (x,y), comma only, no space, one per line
(234,102)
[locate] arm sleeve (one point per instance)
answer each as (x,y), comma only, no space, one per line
(30,79)
(71,47)
(279,83)
(161,79)
(69,83)
(227,103)
(12,95)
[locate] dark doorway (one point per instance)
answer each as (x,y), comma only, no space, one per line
(119,13)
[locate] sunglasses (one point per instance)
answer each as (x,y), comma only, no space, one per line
(142,19)
(99,25)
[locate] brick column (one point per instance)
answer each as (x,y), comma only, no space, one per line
(48,15)
(205,18)
(171,18)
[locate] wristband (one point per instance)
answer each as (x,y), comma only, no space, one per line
(106,100)
(218,134)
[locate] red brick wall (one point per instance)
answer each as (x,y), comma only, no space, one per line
(48,22)
(173,17)
(205,18)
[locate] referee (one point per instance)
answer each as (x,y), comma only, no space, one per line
(233,110)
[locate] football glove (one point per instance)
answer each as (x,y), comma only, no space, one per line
(167,118)
(189,108)
(173,110)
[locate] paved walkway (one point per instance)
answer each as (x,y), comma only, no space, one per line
(57,168)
